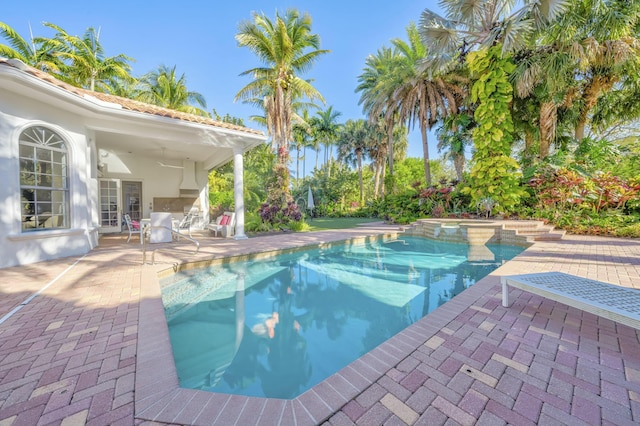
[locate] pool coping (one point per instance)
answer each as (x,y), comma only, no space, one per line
(159,397)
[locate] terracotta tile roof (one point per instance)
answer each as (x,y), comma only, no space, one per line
(127,104)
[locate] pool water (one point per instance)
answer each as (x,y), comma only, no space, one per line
(277,326)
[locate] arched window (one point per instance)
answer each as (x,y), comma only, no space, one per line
(44,180)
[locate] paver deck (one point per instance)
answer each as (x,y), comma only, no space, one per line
(73,354)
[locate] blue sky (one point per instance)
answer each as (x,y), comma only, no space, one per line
(198,37)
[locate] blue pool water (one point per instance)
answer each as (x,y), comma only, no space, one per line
(276,327)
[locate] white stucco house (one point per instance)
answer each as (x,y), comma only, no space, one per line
(73,162)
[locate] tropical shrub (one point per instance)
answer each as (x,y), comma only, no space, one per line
(258,165)
(602,204)
(253,223)
(444,200)
(631,230)
(565,190)
(299,226)
(280,217)
(335,190)
(409,173)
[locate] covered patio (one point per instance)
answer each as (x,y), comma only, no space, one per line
(74,162)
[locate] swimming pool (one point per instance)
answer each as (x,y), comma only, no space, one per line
(277,326)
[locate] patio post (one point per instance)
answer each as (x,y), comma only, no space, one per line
(238,193)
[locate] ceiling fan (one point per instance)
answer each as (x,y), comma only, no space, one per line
(171,166)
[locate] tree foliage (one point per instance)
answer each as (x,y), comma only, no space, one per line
(287,48)
(164,88)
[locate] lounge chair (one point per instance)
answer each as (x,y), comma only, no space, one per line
(184,225)
(225,224)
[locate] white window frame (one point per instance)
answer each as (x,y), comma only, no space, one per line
(44,180)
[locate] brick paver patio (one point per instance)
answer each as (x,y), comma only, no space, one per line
(76,353)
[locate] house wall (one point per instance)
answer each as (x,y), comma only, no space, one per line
(17,247)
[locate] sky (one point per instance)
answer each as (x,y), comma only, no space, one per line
(198,37)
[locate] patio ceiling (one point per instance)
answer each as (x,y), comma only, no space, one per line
(170,140)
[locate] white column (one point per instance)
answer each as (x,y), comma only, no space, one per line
(238,194)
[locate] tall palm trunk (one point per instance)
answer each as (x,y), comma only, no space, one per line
(327,159)
(528,140)
(390,149)
(376,180)
(425,152)
(591,95)
(548,120)
(304,162)
(359,158)
(298,164)
(282,114)
(458,165)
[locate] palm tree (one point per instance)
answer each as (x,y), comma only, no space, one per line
(129,87)
(352,146)
(314,141)
(85,63)
(420,98)
(376,84)
(36,52)
(454,137)
(492,27)
(482,24)
(301,137)
(326,129)
(618,110)
(531,82)
(377,151)
(590,49)
(162,87)
(606,45)
(287,48)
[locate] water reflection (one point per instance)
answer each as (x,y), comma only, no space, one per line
(293,321)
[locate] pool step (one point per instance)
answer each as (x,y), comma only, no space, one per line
(538,231)
(551,236)
(518,230)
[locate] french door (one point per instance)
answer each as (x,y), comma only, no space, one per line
(132,199)
(110,217)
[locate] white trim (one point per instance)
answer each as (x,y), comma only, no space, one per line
(72,172)
(37,235)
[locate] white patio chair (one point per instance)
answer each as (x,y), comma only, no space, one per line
(184,225)
(132,225)
(225,224)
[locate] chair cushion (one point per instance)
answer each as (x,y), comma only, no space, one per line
(225,220)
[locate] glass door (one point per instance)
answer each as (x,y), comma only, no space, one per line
(110,219)
(132,199)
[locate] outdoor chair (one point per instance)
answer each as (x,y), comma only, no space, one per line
(184,225)
(225,224)
(132,225)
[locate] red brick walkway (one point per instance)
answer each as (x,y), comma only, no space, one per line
(69,356)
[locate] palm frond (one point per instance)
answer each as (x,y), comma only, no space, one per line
(467,11)
(438,34)
(19,47)
(515,34)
